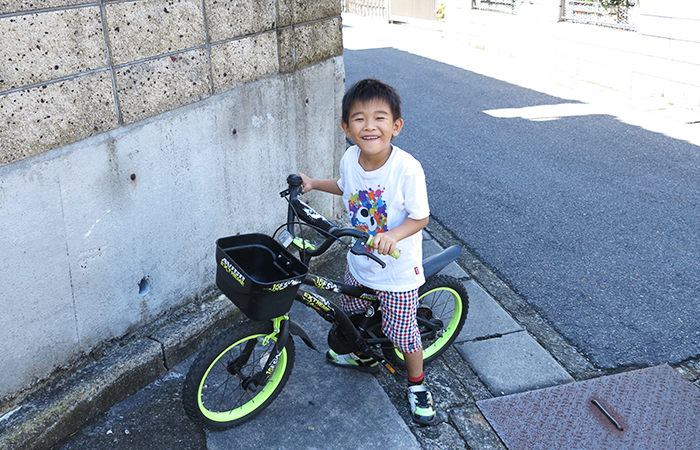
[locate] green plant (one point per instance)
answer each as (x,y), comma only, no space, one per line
(440,12)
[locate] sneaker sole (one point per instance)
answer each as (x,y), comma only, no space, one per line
(421,421)
(365,369)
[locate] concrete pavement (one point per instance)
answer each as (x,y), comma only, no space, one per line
(323,406)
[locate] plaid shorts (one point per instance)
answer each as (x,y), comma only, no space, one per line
(399,322)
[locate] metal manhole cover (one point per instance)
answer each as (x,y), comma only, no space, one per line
(652,408)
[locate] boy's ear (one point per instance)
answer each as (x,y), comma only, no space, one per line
(345,126)
(398,125)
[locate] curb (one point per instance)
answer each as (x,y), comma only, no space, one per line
(69,401)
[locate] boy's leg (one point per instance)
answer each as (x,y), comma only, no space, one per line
(414,364)
(400,325)
(352,305)
(352,360)
(419,397)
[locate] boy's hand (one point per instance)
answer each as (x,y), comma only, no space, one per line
(306,183)
(325,185)
(384,243)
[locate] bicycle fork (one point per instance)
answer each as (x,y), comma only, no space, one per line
(279,335)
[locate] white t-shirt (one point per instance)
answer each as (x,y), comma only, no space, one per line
(378,201)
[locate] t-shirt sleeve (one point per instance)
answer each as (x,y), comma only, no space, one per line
(416,193)
(343,171)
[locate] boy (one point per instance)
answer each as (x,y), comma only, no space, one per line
(384,192)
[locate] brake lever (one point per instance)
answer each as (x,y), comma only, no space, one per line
(358,248)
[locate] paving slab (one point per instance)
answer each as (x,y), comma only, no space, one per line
(486,318)
(513,363)
(322,406)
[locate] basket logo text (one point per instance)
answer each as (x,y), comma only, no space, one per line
(233,271)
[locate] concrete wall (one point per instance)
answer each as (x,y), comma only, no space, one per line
(133,135)
(661,58)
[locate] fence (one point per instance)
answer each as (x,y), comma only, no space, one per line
(506,6)
(609,13)
(620,14)
(367,8)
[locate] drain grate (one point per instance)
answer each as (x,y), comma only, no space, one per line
(652,408)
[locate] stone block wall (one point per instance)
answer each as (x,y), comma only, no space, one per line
(71,69)
(133,134)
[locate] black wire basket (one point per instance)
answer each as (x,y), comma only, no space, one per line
(258,275)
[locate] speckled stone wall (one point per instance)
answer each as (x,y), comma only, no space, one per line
(70,70)
(133,134)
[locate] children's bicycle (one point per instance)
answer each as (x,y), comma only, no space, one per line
(243,370)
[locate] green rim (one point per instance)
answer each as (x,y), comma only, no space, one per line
(253,403)
(449,330)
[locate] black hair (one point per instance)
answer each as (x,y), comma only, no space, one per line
(370,89)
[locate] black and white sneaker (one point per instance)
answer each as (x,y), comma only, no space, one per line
(422,406)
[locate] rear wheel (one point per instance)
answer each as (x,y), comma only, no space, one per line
(226,386)
(443,305)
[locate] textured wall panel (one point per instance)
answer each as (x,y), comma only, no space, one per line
(228,19)
(41,47)
(244,60)
(143,29)
(55,114)
(152,87)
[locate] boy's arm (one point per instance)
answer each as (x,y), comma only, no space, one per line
(385,243)
(329,185)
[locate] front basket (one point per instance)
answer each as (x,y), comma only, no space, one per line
(259,275)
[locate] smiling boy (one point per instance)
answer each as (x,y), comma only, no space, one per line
(384,192)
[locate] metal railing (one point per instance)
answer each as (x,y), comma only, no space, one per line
(377,9)
(609,13)
(616,14)
(505,6)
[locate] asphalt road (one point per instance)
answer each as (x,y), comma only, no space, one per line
(593,221)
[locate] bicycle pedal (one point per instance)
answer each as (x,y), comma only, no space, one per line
(389,367)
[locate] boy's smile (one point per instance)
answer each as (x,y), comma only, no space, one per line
(372,127)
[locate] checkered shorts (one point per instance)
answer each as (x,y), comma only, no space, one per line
(399,322)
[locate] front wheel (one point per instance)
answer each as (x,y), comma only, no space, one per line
(443,303)
(226,386)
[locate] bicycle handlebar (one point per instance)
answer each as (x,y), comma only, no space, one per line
(304,212)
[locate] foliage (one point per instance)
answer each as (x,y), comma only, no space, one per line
(440,12)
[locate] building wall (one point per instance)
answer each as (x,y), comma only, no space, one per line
(660,58)
(134,134)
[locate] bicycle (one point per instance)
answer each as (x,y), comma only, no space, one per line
(244,369)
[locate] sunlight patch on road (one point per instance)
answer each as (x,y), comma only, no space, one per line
(542,113)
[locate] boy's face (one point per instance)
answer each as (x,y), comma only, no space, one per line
(371,127)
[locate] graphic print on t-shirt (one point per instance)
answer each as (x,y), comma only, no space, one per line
(368,211)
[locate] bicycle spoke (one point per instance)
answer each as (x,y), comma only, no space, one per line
(225,387)
(224,397)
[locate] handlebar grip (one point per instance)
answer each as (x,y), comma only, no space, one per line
(395,254)
(294,180)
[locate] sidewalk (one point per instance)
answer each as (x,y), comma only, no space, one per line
(323,406)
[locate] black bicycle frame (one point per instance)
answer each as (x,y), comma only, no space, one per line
(334,314)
